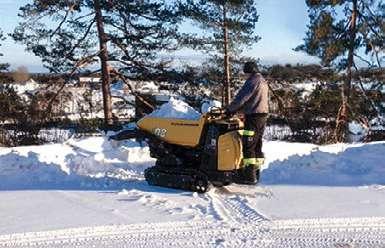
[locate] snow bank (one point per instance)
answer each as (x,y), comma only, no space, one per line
(176,109)
(334,165)
(90,163)
(96,163)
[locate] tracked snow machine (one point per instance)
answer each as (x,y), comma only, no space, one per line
(192,154)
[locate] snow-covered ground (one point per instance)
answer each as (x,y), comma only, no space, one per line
(91,193)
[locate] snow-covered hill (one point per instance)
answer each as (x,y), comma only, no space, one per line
(91,193)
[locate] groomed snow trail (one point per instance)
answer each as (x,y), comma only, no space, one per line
(231,222)
(297,205)
(360,232)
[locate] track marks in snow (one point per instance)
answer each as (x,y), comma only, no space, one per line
(246,191)
(152,201)
(223,205)
(216,207)
(233,223)
(342,232)
(220,204)
(360,232)
(175,233)
(242,210)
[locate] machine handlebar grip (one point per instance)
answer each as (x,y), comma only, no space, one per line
(215,111)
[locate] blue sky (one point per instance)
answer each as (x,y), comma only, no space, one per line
(282,26)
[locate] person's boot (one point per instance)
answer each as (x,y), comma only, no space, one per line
(260,162)
(250,175)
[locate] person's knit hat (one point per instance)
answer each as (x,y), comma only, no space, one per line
(250,67)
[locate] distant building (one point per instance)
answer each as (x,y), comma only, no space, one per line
(30,86)
(92,81)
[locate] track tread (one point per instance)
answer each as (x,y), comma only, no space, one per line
(177,178)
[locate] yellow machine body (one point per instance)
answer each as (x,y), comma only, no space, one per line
(229,151)
(174,131)
(188,133)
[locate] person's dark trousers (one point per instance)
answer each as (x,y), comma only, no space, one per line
(252,145)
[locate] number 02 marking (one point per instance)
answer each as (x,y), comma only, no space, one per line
(161,132)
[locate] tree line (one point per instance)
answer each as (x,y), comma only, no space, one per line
(130,39)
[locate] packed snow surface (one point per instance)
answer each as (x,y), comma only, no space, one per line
(91,192)
(176,109)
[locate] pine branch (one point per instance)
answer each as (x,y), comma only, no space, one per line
(84,16)
(371,27)
(364,60)
(60,24)
(82,38)
(363,90)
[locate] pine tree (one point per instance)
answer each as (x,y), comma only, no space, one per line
(69,35)
(140,31)
(3,66)
(340,32)
(64,34)
(103,54)
(227,27)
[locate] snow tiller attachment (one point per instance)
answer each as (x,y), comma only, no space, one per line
(192,154)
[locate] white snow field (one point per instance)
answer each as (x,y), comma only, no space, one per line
(91,193)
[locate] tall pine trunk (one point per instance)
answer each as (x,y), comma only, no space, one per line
(226,91)
(342,124)
(106,79)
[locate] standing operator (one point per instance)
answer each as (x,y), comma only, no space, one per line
(252,100)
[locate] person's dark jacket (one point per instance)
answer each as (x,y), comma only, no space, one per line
(253,97)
